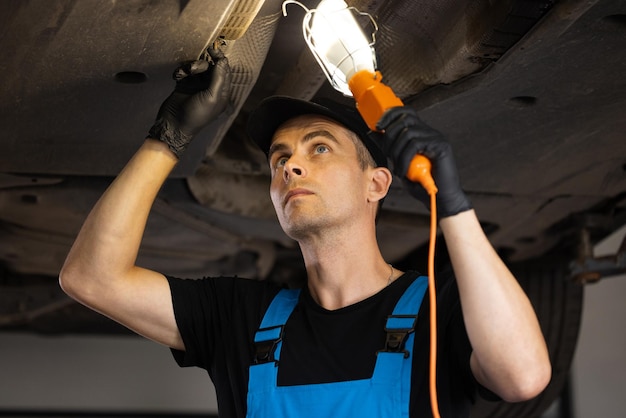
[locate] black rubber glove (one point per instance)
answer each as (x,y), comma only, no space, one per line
(404,136)
(200,96)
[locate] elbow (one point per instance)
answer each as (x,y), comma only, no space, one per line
(72,282)
(68,281)
(529,384)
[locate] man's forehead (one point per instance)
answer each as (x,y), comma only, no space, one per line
(308,122)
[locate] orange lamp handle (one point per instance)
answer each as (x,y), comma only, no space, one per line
(373,98)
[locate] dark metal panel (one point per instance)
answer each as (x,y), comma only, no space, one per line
(63,109)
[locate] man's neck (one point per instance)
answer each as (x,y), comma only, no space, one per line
(343,270)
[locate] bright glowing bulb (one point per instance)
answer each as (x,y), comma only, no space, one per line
(340,41)
(337,41)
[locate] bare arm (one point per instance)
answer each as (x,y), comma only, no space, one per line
(509,352)
(509,356)
(100,269)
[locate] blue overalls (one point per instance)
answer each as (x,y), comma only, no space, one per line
(385,394)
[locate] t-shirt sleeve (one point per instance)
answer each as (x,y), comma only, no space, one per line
(217,316)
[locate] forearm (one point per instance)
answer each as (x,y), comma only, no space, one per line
(509,352)
(108,243)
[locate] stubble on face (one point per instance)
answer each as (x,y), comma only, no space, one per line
(328,180)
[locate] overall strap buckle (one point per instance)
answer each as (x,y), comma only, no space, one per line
(266,341)
(398,328)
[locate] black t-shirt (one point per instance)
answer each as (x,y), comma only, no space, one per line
(218,317)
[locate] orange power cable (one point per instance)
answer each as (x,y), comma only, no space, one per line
(432,294)
(419,172)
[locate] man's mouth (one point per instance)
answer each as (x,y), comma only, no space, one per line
(296,193)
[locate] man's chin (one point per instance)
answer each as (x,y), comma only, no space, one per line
(300,227)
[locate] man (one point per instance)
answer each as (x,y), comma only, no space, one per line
(329,349)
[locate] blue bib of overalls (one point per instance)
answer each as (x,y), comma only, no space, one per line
(385,394)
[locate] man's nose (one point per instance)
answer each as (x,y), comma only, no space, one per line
(293,168)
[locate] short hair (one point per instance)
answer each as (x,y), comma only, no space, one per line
(363,155)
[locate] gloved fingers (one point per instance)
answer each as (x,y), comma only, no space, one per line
(222,74)
(190,68)
(425,140)
(218,89)
(421,133)
(216,54)
(403,125)
(402,115)
(404,151)
(220,62)
(436,150)
(211,93)
(206,76)
(194,67)
(400,144)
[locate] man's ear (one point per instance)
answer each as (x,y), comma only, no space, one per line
(380,182)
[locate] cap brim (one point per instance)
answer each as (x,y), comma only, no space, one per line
(276,110)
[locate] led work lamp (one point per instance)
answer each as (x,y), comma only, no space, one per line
(348,60)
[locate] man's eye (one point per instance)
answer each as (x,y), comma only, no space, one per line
(321,148)
(281,161)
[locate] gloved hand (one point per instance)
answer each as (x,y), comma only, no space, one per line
(405,135)
(200,96)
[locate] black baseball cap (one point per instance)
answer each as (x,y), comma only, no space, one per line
(276,110)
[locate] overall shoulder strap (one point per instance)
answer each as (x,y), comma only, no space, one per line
(268,338)
(394,362)
(411,300)
(402,321)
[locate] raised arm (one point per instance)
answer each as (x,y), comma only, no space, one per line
(509,355)
(100,269)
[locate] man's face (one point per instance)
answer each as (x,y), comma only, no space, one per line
(317,183)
